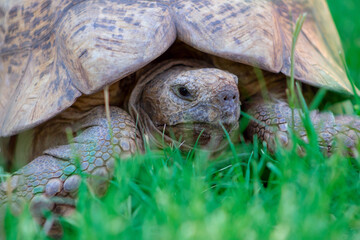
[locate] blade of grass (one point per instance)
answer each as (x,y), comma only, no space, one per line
(291,85)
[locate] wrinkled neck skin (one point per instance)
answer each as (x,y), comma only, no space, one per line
(187,103)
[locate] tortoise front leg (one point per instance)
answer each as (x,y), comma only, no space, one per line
(274,117)
(52,180)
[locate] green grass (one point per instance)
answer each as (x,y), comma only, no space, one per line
(245,193)
(347,21)
(252,195)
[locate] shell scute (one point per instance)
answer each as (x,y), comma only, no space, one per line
(52,52)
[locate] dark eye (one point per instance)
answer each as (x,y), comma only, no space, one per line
(184,92)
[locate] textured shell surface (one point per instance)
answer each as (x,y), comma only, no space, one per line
(52,52)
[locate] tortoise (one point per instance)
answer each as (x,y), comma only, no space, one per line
(57,56)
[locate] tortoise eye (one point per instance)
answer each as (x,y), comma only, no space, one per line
(184,92)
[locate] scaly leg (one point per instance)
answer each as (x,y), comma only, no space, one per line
(274,117)
(52,179)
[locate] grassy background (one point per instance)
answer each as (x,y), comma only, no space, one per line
(244,194)
(347,20)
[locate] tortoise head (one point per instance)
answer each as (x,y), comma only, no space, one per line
(192,104)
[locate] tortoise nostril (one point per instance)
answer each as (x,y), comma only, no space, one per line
(228,102)
(229,97)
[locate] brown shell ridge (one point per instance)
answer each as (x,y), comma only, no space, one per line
(78,47)
(316,61)
(229,37)
(6,117)
(92,45)
(35,41)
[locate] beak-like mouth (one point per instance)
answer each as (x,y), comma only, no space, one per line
(201,134)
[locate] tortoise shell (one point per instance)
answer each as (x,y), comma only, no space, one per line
(52,52)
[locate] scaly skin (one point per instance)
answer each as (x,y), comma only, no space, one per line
(274,117)
(211,96)
(57,172)
(52,180)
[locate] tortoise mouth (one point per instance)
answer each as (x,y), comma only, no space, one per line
(205,135)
